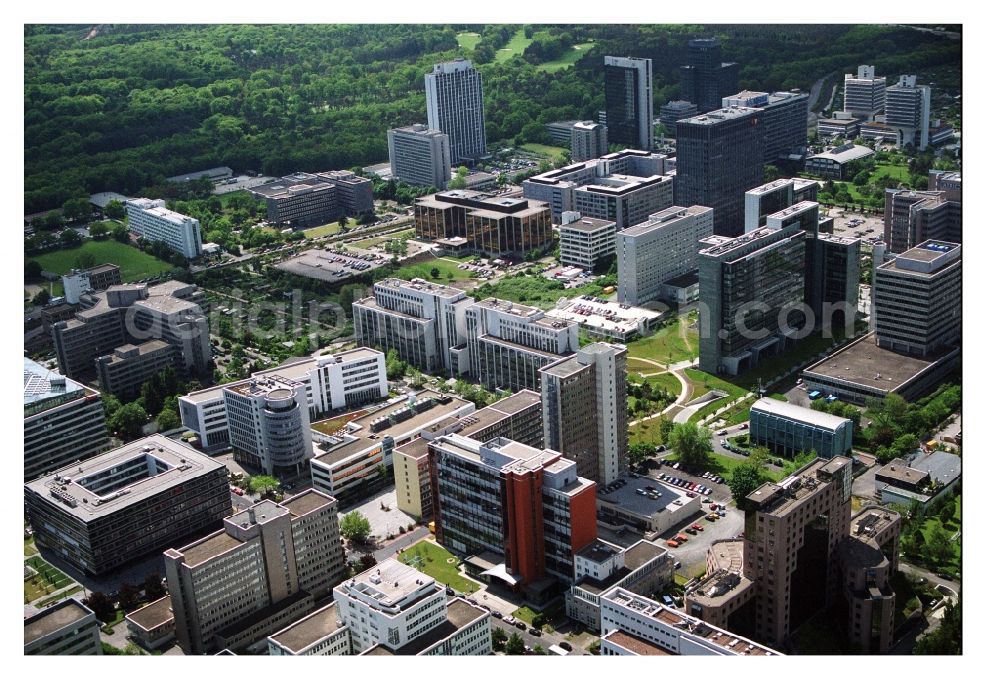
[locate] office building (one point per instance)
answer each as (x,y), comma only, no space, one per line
(123,372)
(917,300)
(626,200)
(706,79)
(358,458)
(879,131)
(420,156)
(787,430)
(585,243)
(421,320)
(585,410)
(908,109)
(915,216)
(332,382)
(589,141)
(841,125)
(151,220)
(608,319)
(765,266)
(833,273)
(785,117)
(922,481)
(63,421)
(561,132)
(263,570)
(454,92)
(301,200)
(632,624)
(840,163)
(557,187)
(152,626)
(492,226)
(132,314)
(660,250)
(628,96)
(720,155)
(764,200)
(394,609)
(642,568)
(509,342)
(80,282)
(516,513)
(319,633)
(65,628)
(676,110)
(517,417)
(128,502)
(268,419)
(864,94)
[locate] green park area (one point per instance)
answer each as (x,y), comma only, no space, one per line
(440,564)
(135,264)
(468,40)
(376,241)
(425,270)
(536,290)
(573,55)
(674,341)
(515,47)
(551,153)
(45,580)
(330,229)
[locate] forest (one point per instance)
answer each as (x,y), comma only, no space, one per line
(125,108)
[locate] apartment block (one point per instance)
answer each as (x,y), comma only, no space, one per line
(705,80)
(628,95)
(585,242)
(917,299)
(787,429)
(420,156)
(589,140)
(492,226)
(123,372)
(151,220)
(514,512)
(908,109)
(509,342)
(332,383)
(864,94)
(454,91)
(585,410)
(268,419)
(654,253)
(421,320)
(65,628)
(263,570)
(720,155)
(63,421)
(123,504)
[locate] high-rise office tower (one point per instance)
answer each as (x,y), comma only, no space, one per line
(584,410)
(706,80)
(908,109)
(455,106)
(268,420)
(420,156)
(628,94)
(589,140)
(786,116)
(720,155)
(864,94)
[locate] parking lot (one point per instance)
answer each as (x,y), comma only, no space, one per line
(867,227)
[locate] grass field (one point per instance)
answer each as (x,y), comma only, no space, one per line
(440,564)
(636,366)
(515,47)
(329,229)
(568,59)
(365,243)
(46,580)
(666,381)
(134,263)
(423,270)
(805,350)
(553,153)
(29,547)
(668,344)
(468,40)
(723,465)
(538,291)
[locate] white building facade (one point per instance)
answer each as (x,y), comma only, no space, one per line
(150,219)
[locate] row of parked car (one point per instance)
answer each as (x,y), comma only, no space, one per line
(684,484)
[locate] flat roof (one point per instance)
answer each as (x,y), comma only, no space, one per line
(627,499)
(634,644)
(460,614)
(522,348)
(175,464)
(53,619)
(421,285)
(208,548)
(720,115)
(600,551)
(40,384)
(785,409)
(942,466)
(152,615)
(864,363)
(845,153)
(389,583)
(310,629)
(587,224)
(306,502)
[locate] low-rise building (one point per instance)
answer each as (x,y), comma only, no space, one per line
(924,480)
(841,125)
(302,200)
(644,506)
(152,626)
(786,429)
(839,163)
(608,319)
(320,633)
(65,628)
(123,504)
(585,242)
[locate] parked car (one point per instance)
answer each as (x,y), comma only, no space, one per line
(535,632)
(672,543)
(520,625)
(698,527)
(744,426)
(691,530)
(565,645)
(497,614)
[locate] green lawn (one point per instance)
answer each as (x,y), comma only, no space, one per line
(647,430)
(668,344)
(468,40)
(366,243)
(440,564)
(515,47)
(723,465)
(329,229)
(568,59)
(537,291)
(55,598)
(47,580)
(703,382)
(29,547)
(135,264)
(803,351)
(423,270)
(666,381)
(553,153)
(954,567)
(635,366)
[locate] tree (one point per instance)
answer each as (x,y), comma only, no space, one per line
(937,549)
(111,405)
(42,297)
(32,269)
(538,649)
(114,209)
(666,427)
(102,606)
(435,273)
(355,527)
(367,561)
(395,368)
(264,484)
(152,396)
(947,638)
(947,512)
(85,260)
(745,479)
(70,237)
(771,173)
(639,451)
(759,457)
(168,419)
(153,587)
(119,232)
(515,645)
(538,621)
(76,209)
(128,421)
(456,183)
(99,230)
(692,443)
(128,596)
(499,638)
